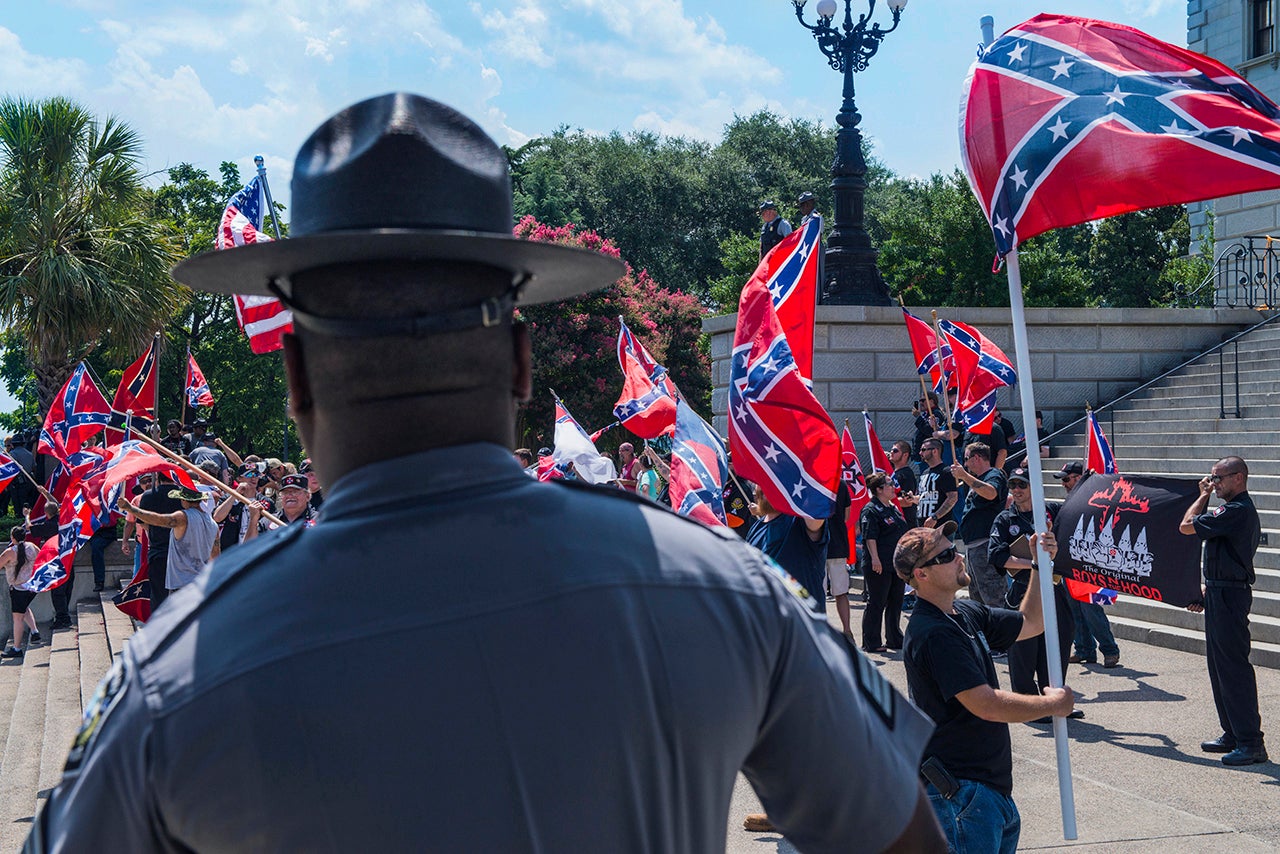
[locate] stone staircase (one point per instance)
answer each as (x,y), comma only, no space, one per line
(43,696)
(1172,429)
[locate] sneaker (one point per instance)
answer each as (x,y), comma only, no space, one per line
(1111,660)
(11,652)
(34,637)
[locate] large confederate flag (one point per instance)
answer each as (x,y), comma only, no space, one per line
(1067,120)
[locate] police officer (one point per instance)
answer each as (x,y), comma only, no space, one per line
(1231,533)
(522,688)
(807,202)
(774,228)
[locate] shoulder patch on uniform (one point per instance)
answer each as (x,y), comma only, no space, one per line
(1219,510)
(795,588)
(875,688)
(96,712)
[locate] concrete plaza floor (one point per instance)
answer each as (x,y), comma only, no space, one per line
(1141,782)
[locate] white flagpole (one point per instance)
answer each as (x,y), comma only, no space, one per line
(1039,510)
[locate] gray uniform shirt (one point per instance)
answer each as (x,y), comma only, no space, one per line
(189,554)
(543,668)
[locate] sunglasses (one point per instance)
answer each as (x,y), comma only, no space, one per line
(941,558)
(1017,484)
(1218,478)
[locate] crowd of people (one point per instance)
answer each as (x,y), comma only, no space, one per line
(597,682)
(169,530)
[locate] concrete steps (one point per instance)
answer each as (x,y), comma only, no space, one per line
(20,767)
(1173,430)
(41,702)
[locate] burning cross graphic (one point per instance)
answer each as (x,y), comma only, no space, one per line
(1119,496)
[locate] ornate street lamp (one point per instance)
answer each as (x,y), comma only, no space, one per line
(851,274)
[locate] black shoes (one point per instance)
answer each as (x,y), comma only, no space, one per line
(98,588)
(61,621)
(1245,756)
(1221,744)
(11,652)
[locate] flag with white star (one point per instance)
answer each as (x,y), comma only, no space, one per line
(790,273)
(699,469)
(780,436)
(647,404)
(982,369)
(1066,120)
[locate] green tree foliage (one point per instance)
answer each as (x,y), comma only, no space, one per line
(669,203)
(1129,253)
(575,343)
(936,248)
(83,265)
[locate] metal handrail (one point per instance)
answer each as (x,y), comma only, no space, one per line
(1232,340)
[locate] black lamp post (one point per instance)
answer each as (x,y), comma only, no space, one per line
(851,274)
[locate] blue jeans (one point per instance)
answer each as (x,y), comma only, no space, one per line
(98,553)
(1093,629)
(977,819)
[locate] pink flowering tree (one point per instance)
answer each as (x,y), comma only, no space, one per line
(575,343)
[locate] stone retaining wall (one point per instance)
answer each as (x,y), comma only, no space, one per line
(862,357)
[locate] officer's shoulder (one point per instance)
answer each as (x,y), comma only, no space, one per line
(663,513)
(184,606)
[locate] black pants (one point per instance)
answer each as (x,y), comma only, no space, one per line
(157,569)
(1227,643)
(884,604)
(1029,659)
(61,596)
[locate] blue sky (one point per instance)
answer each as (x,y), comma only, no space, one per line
(205,82)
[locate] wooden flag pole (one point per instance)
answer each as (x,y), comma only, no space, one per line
(1040,513)
(946,398)
(201,475)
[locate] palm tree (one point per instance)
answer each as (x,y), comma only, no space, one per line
(82,263)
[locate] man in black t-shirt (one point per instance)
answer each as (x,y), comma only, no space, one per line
(988,491)
(156,500)
(904,476)
(176,441)
(937,492)
(947,653)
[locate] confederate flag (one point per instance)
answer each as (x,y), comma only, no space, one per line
(1066,120)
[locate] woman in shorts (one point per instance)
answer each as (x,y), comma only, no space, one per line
(19,561)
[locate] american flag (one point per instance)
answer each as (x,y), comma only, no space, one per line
(263,319)
(1067,120)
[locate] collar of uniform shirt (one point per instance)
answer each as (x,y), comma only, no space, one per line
(458,468)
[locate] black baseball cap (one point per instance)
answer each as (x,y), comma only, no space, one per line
(1074,467)
(1020,474)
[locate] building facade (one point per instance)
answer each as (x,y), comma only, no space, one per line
(1241,34)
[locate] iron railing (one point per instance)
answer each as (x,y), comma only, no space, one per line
(1246,274)
(1220,349)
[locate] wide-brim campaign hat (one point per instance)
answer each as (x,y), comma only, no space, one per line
(402,178)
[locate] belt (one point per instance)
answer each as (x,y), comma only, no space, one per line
(1239,585)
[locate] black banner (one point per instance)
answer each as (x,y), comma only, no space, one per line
(1121,531)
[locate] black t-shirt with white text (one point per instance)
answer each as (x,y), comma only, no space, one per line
(934,486)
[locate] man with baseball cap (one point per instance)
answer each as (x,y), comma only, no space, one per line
(295,506)
(541,691)
(1070,474)
(947,653)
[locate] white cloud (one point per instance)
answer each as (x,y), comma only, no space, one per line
(1150,8)
(518,36)
(26,73)
(238,65)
